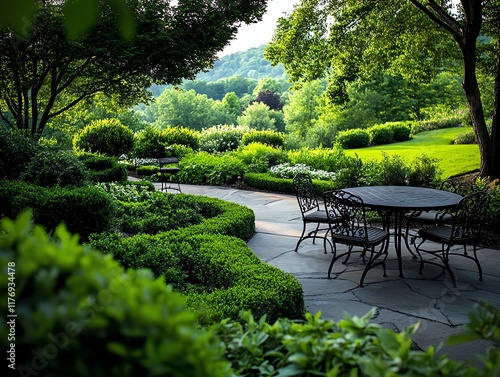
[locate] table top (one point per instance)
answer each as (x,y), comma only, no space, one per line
(403,198)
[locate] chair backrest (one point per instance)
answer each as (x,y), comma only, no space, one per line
(459,186)
(470,215)
(304,191)
(351,209)
(167,160)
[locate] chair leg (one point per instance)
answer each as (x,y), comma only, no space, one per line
(301,238)
(371,262)
(332,244)
(349,250)
(315,233)
(479,269)
(447,265)
(408,243)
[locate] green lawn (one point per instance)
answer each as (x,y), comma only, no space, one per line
(453,159)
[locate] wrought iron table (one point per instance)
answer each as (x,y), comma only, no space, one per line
(398,200)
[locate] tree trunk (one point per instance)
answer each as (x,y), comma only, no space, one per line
(473,96)
(495,135)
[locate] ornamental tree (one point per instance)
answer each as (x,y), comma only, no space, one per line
(47,68)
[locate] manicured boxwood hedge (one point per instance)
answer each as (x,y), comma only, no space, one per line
(84,210)
(103,168)
(264,181)
(219,274)
(211,263)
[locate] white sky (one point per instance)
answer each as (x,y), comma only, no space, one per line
(258,34)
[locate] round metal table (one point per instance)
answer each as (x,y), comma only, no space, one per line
(398,200)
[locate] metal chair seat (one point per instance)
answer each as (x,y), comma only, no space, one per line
(168,173)
(373,236)
(444,234)
(464,229)
(348,226)
(318,216)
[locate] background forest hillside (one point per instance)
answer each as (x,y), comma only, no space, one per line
(249,64)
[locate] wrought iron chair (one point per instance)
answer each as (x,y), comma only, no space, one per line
(425,219)
(464,229)
(310,209)
(353,231)
(168,171)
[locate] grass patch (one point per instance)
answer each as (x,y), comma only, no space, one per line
(452,159)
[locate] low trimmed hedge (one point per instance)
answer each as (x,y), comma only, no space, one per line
(267,137)
(435,124)
(211,263)
(381,134)
(219,274)
(264,181)
(104,168)
(354,138)
(84,210)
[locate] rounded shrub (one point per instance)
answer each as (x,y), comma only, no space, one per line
(381,134)
(267,137)
(51,168)
(467,137)
(106,136)
(221,138)
(84,210)
(153,142)
(425,171)
(17,149)
(147,143)
(184,136)
(79,305)
(260,157)
(401,130)
(103,168)
(355,138)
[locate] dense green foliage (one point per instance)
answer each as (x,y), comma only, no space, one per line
(84,210)
(78,305)
(260,157)
(352,346)
(268,137)
(106,136)
(205,168)
(17,150)
(103,168)
(385,53)
(153,142)
(167,43)
(50,168)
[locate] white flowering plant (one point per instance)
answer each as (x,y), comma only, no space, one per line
(289,171)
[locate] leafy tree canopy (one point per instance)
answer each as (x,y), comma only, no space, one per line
(355,39)
(44,72)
